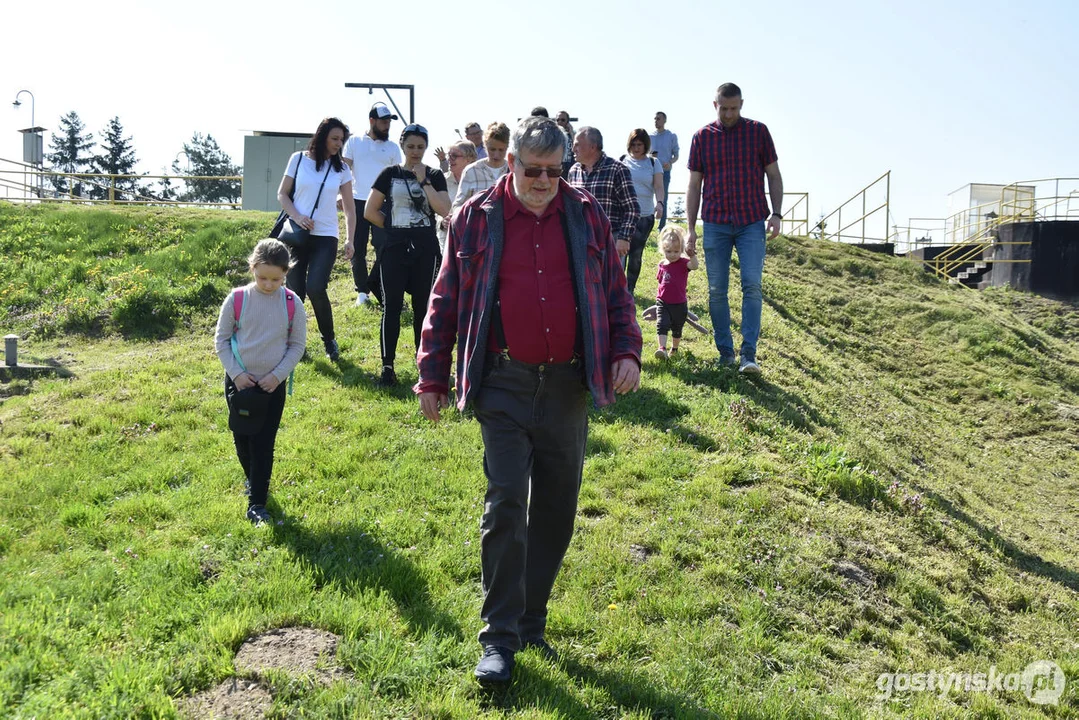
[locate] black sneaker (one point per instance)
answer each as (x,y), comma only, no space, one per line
(389,377)
(495,666)
(332,351)
(259,515)
(543,648)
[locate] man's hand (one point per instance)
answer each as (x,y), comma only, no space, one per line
(691,241)
(244,381)
(431,403)
(626,375)
(622,246)
(350,250)
(773,225)
(666,167)
(269,382)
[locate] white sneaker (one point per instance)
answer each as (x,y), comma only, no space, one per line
(361,299)
(661,354)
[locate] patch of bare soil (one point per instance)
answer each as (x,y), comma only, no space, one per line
(855,573)
(236,699)
(295,651)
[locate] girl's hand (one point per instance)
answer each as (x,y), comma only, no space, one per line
(305,222)
(420,170)
(350,250)
(244,381)
(269,382)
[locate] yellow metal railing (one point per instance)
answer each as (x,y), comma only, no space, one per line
(872,211)
(974,230)
(795,220)
(29,185)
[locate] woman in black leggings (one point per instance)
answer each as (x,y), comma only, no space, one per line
(412,193)
(308,193)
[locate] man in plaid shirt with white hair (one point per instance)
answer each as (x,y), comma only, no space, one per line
(609,182)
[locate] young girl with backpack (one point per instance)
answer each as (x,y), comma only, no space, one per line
(260,338)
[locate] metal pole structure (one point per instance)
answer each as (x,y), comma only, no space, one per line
(33,103)
(386,88)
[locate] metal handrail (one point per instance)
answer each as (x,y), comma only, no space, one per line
(822,225)
(35,192)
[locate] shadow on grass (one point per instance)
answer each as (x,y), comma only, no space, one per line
(654,409)
(1023,560)
(345,373)
(352,558)
(798,321)
(533,688)
(789,407)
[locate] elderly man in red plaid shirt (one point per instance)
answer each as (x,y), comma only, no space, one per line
(532,293)
(731,157)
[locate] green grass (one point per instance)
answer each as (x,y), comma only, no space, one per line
(898,493)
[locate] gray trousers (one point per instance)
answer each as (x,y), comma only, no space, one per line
(534,423)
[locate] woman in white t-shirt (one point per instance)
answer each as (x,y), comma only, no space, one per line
(318,175)
(647,174)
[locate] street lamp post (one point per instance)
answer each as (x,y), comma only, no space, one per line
(33,133)
(16,104)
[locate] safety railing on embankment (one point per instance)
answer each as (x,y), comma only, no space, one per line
(24,183)
(973,234)
(795,220)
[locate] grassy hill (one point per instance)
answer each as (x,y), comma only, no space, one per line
(899,493)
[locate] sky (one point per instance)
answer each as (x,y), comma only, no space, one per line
(940,93)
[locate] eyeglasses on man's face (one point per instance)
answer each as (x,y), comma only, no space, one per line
(535,172)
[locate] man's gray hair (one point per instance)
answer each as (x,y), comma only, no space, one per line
(592,135)
(539,136)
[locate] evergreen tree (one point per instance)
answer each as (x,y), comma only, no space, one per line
(70,153)
(117,157)
(207,158)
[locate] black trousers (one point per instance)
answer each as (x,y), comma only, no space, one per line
(636,249)
(309,277)
(671,316)
(364,230)
(405,267)
(534,424)
(256,451)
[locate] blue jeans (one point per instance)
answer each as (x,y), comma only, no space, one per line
(748,240)
(666,197)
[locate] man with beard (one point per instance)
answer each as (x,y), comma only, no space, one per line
(730,158)
(368,155)
(532,295)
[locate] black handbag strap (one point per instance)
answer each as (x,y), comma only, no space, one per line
(299,159)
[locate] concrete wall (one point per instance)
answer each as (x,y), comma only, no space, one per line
(1053,253)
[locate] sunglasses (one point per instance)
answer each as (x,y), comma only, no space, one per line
(414,128)
(535,172)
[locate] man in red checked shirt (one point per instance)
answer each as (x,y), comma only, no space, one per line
(731,157)
(532,293)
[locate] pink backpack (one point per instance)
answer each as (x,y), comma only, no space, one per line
(238,296)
